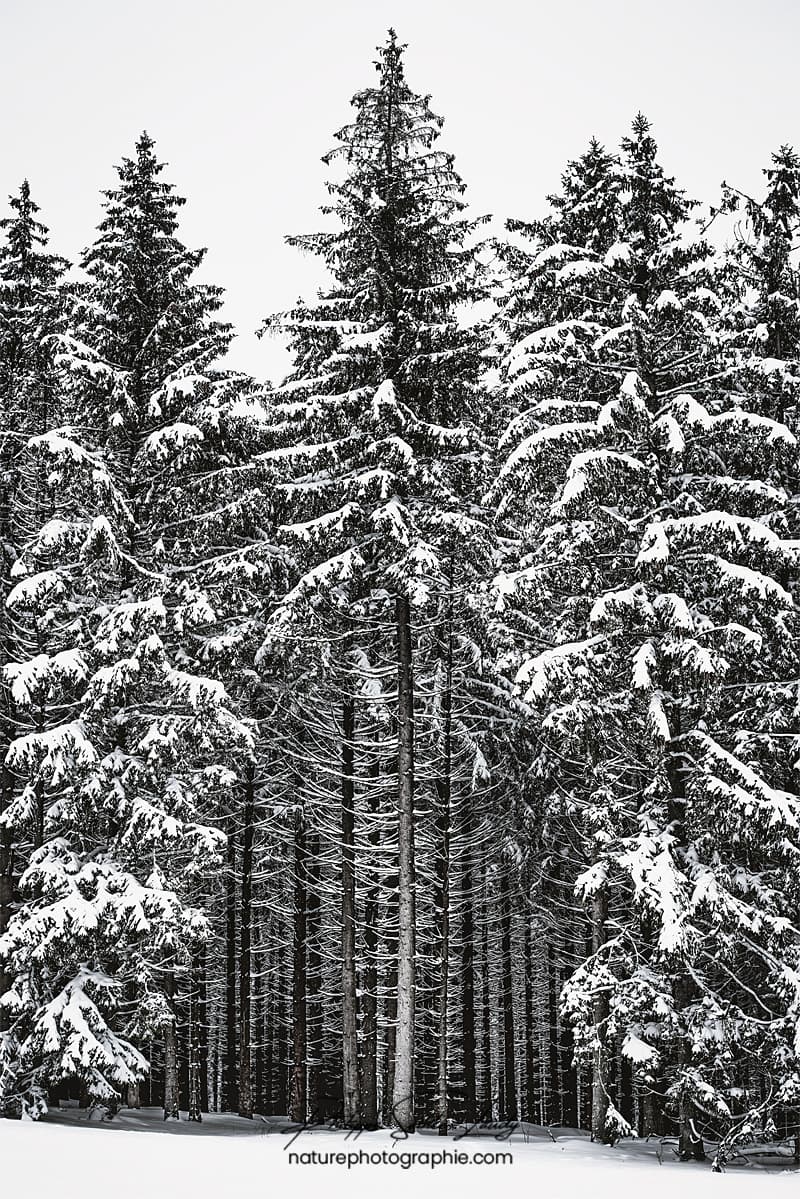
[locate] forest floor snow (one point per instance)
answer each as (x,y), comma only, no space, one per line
(70,1154)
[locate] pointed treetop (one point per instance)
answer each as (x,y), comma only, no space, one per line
(22,203)
(390,62)
(784,181)
(641,125)
(641,146)
(145,154)
(26,239)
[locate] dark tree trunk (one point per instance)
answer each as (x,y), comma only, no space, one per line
(650,1104)
(245,960)
(194,1057)
(531,1097)
(600,1011)
(626,1089)
(230,1089)
(6,900)
(511,1110)
(554,1087)
(468,967)
(133,1097)
(284,1007)
(444,942)
(171,1095)
(690,1143)
(403,1089)
(271,1013)
(369,1067)
(258,1019)
(351,1098)
(650,1088)
(444,796)
(390,1008)
(297,1089)
(486,1036)
(6,877)
(316,1074)
(202,1024)
(501,1058)
(569,1073)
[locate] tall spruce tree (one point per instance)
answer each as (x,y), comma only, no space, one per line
(382,445)
(31,305)
(130,773)
(654,552)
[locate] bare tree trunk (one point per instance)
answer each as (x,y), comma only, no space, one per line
(443,788)
(6,896)
(258,1018)
(369,1067)
(403,1090)
(6,849)
(626,1089)
(202,1025)
(316,1076)
(133,1097)
(442,1079)
(530,1030)
(245,960)
(569,1074)
(599,1019)
(511,1111)
(284,1010)
(690,1143)
(270,1032)
(486,1035)
(171,1096)
(297,1089)
(468,968)
(194,1101)
(351,1097)
(390,1008)
(554,1089)
(230,1088)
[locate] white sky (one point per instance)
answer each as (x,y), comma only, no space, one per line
(243,97)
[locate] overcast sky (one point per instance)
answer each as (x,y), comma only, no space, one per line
(243,96)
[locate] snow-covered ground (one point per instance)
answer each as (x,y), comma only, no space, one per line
(137,1155)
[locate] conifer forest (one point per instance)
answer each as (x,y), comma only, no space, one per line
(413,742)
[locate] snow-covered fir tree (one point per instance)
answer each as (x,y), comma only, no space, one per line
(31,303)
(144,743)
(382,461)
(764,318)
(651,550)
(415,742)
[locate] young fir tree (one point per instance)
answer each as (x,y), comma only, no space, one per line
(651,544)
(31,300)
(144,742)
(381,448)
